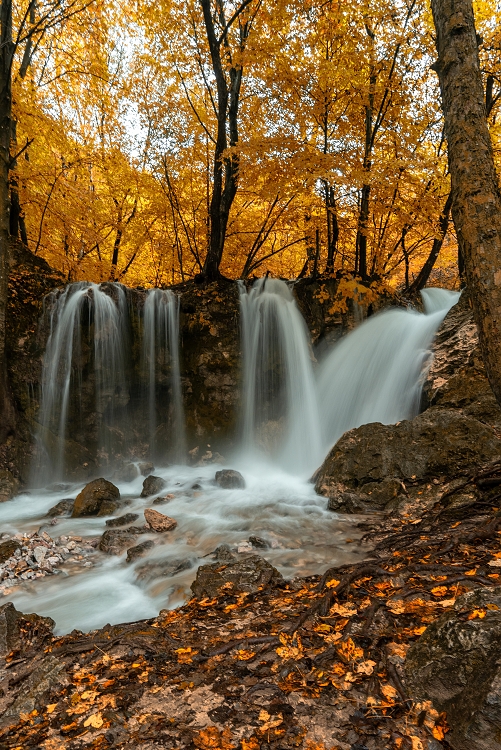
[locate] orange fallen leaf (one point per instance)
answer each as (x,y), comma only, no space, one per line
(332,583)
(477,614)
(94,720)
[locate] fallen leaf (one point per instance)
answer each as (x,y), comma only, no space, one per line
(366,667)
(345,611)
(51,707)
(477,614)
(332,583)
(94,720)
(389,692)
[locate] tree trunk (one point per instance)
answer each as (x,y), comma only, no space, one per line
(476,206)
(7,413)
(422,278)
(332,226)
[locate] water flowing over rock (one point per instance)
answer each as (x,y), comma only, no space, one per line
(229,479)
(152,486)
(279,403)
(455,664)
(98,498)
(249,574)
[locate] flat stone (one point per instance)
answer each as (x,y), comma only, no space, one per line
(229,479)
(125,520)
(158,522)
(39,553)
(153,486)
(98,498)
(133,553)
(250,574)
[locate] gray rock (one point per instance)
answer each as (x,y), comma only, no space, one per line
(8,548)
(373,496)
(258,542)
(9,630)
(133,553)
(456,665)
(224,553)
(145,468)
(126,473)
(40,553)
(250,575)
(62,508)
(98,498)
(9,485)
(152,486)
(347,502)
(115,541)
(124,520)
(229,479)
(437,442)
(36,689)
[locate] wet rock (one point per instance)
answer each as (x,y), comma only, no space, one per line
(8,548)
(244,547)
(9,485)
(36,689)
(62,508)
(39,553)
(224,553)
(229,479)
(258,542)
(152,486)
(456,665)
(437,442)
(124,520)
(145,468)
(347,502)
(163,500)
(210,457)
(115,541)
(154,569)
(158,522)
(373,496)
(133,553)
(249,574)
(126,473)
(9,630)
(98,498)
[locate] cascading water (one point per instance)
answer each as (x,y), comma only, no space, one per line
(161,360)
(375,373)
(280,413)
(62,398)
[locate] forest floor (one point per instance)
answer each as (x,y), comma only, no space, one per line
(314,663)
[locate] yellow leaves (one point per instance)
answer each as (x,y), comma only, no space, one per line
(349,651)
(345,611)
(51,708)
(332,583)
(366,667)
(211,738)
(477,614)
(389,693)
(95,721)
(185,655)
(243,655)
(251,744)
(439,591)
(291,647)
(269,722)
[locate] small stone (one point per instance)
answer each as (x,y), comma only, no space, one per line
(258,542)
(128,518)
(115,541)
(62,508)
(162,500)
(54,560)
(39,554)
(133,553)
(224,553)
(153,486)
(87,565)
(71,545)
(158,522)
(146,467)
(229,479)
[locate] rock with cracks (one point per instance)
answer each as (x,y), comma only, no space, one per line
(158,522)
(152,486)
(98,498)
(250,575)
(456,665)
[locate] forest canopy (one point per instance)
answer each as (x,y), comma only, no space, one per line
(270,136)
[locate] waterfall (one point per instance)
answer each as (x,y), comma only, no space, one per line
(161,362)
(280,412)
(64,398)
(375,373)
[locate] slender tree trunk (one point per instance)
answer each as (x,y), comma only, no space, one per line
(7,414)
(476,206)
(332,226)
(422,278)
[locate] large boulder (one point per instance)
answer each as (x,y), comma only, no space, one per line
(98,498)
(14,625)
(437,442)
(229,479)
(250,575)
(455,664)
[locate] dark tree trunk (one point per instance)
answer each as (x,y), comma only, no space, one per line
(332,226)
(476,207)
(422,278)
(7,413)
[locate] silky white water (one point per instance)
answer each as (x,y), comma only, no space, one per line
(293,412)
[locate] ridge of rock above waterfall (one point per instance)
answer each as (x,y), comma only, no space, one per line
(230,479)
(98,498)
(438,442)
(455,664)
